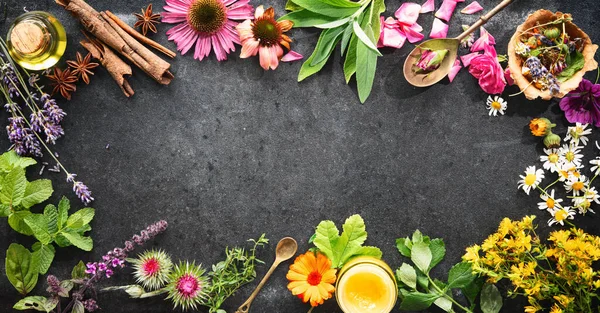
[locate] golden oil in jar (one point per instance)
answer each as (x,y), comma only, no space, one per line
(36,40)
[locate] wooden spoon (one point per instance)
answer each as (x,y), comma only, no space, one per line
(428,79)
(286,248)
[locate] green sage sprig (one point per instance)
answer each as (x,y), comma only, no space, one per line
(353,24)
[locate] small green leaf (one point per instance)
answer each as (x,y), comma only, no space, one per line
(333,8)
(78,271)
(417,301)
(36,192)
(10,160)
(306,18)
(312,238)
(13,187)
(472,290)
(43,256)
(5,210)
(407,275)
(366,39)
(417,236)
(325,45)
(370,251)
(81,242)
(78,307)
(421,256)
(438,251)
(37,303)
(444,304)
(490,300)
(63,212)
(460,275)
(17,221)
(80,218)
(404,245)
(39,225)
(350,61)
(422,280)
(51,214)
(20,268)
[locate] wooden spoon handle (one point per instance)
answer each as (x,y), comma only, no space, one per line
(246,305)
(482,20)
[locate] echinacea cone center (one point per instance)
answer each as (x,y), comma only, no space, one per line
(266,31)
(207,16)
(530,179)
(314,278)
(187,286)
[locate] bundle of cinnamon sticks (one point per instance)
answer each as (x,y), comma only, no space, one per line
(110,31)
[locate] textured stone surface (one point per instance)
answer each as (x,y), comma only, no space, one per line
(228,151)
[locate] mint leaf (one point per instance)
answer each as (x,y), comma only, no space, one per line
(61,241)
(490,299)
(575,63)
(11,160)
(37,303)
(36,192)
(460,275)
(43,256)
(63,212)
(38,223)
(17,222)
(20,269)
(78,271)
(51,214)
(4,210)
(421,256)
(417,301)
(13,187)
(407,275)
(438,251)
(80,218)
(79,241)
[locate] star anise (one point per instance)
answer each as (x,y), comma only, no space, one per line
(63,82)
(147,20)
(82,68)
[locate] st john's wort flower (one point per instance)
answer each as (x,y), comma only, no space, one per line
(583,104)
(496,105)
(531,179)
(187,285)
(207,24)
(152,269)
(578,133)
(265,36)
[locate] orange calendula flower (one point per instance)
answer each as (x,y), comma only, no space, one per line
(265,36)
(540,126)
(311,278)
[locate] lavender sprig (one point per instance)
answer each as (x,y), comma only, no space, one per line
(540,74)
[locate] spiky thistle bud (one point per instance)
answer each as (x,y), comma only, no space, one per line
(187,285)
(152,269)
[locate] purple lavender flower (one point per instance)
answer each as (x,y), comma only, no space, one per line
(11,81)
(23,139)
(53,132)
(53,111)
(540,73)
(81,190)
(582,105)
(37,119)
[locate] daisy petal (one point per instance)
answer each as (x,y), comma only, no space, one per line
(472,8)
(408,13)
(439,29)
(446,10)
(292,56)
(428,6)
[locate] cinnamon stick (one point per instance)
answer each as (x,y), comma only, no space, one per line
(143,39)
(116,67)
(107,31)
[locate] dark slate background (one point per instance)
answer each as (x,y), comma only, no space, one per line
(229,151)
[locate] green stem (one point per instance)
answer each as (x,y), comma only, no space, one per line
(443,294)
(552,184)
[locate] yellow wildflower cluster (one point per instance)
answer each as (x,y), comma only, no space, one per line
(561,272)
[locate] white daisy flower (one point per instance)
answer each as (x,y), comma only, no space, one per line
(496,105)
(596,166)
(578,133)
(550,203)
(553,159)
(567,171)
(576,185)
(583,205)
(559,216)
(531,179)
(592,195)
(572,155)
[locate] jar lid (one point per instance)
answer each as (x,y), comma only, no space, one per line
(27,38)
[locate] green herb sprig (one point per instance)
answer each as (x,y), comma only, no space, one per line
(353,24)
(419,290)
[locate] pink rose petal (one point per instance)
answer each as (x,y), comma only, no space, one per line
(455,69)
(508,77)
(466,59)
(292,56)
(428,6)
(446,10)
(459,1)
(439,29)
(408,13)
(393,37)
(472,8)
(413,33)
(485,39)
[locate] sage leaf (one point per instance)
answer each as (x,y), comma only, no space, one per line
(325,45)
(346,36)
(39,226)
(333,8)
(407,275)
(37,303)
(490,299)
(291,6)
(305,18)
(43,255)
(20,268)
(307,69)
(366,65)
(417,301)
(36,192)
(13,187)
(79,241)
(367,40)
(460,275)
(421,256)
(333,24)
(350,62)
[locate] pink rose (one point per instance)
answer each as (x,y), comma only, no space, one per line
(490,74)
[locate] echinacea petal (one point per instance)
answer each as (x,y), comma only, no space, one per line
(439,29)
(292,56)
(265,62)
(472,8)
(259,11)
(466,59)
(446,10)
(408,13)
(428,6)
(454,70)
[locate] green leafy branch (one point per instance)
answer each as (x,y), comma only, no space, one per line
(419,290)
(354,24)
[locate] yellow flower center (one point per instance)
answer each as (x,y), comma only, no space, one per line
(496,105)
(561,215)
(570,156)
(530,179)
(207,16)
(550,203)
(553,158)
(577,185)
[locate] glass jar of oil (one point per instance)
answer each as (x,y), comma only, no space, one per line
(36,40)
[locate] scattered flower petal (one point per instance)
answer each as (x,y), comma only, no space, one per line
(439,29)
(454,70)
(446,10)
(428,6)
(292,56)
(485,39)
(509,80)
(472,8)
(408,13)
(466,59)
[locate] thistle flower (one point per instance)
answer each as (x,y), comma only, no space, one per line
(187,285)
(152,269)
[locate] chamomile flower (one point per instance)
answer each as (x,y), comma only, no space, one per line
(576,185)
(550,203)
(559,216)
(572,155)
(152,269)
(496,105)
(578,133)
(531,179)
(552,160)
(596,166)
(592,195)
(583,205)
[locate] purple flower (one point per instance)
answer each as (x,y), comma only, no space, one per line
(582,105)
(23,139)
(102,267)
(90,305)
(109,273)
(91,268)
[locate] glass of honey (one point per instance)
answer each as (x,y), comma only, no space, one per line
(366,285)
(36,40)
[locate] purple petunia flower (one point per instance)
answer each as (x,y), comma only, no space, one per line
(582,105)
